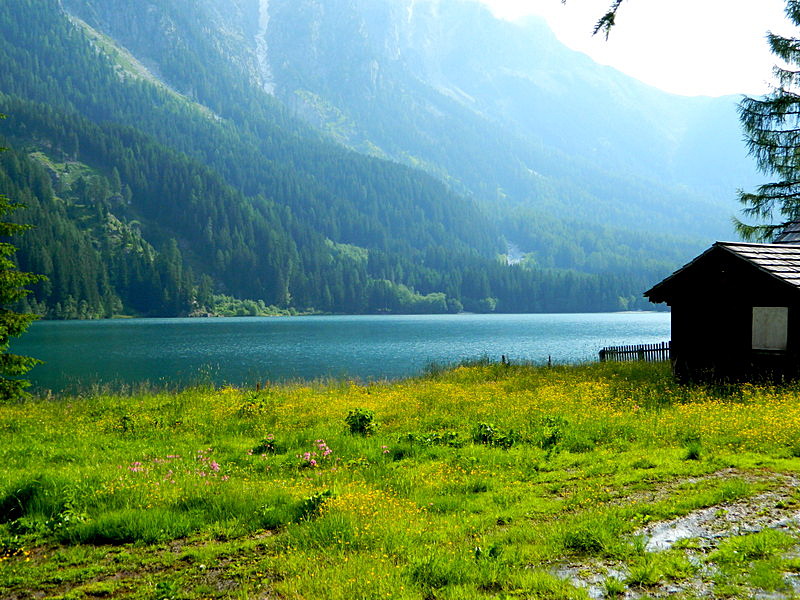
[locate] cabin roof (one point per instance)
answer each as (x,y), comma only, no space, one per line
(781,261)
(790,234)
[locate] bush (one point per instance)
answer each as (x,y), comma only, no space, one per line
(613,587)
(127,526)
(552,431)
(599,535)
(361,421)
(489,435)
(265,446)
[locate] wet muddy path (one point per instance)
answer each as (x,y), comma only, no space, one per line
(748,548)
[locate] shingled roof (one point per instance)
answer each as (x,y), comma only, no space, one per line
(781,261)
(790,234)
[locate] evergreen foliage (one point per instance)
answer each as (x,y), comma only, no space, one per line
(772,127)
(12,323)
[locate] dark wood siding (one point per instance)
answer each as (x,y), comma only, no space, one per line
(712,310)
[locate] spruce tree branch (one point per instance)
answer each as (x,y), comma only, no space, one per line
(608,20)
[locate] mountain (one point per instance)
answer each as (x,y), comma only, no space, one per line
(508,112)
(171,152)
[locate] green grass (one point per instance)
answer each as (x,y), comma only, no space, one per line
(480,481)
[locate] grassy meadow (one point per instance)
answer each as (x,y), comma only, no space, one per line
(481,481)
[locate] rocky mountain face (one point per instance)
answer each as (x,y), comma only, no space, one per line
(507,111)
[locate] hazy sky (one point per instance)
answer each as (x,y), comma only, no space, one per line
(692,47)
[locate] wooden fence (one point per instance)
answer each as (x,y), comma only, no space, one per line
(646,352)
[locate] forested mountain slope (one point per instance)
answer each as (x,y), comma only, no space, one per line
(501,110)
(148,196)
(167,152)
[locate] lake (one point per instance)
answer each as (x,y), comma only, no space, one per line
(243,351)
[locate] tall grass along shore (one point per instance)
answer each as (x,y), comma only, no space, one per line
(481,481)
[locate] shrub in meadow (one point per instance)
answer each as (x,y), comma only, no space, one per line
(361,421)
(645,572)
(435,571)
(267,445)
(597,534)
(126,526)
(254,403)
(757,546)
(553,428)
(167,590)
(489,435)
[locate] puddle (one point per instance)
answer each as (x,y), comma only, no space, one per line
(662,536)
(707,527)
(591,578)
(769,510)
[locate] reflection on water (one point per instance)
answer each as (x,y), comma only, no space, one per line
(245,350)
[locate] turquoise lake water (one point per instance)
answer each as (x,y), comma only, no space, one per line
(243,351)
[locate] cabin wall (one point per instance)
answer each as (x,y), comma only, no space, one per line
(712,323)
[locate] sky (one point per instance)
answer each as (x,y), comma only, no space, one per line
(689,47)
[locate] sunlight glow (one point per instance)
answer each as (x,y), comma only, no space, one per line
(690,47)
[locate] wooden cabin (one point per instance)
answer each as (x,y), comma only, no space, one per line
(736,312)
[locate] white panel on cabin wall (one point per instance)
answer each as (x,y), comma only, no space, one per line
(770,327)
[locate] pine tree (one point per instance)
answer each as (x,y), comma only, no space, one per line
(772,127)
(12,324)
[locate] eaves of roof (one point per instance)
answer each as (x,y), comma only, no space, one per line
(781,261)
